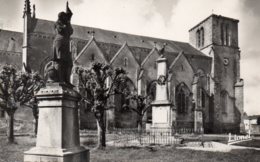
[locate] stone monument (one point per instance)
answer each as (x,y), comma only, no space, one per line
(58,130)
(164,116)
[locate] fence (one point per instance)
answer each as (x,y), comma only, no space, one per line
(129,137)
(134,137)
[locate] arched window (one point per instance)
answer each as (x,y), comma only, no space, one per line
(198,38)
(125,61)
(202,36)
(92,57)
(181,103)
(203,98)
(182,98)
(223,34)
(227,35)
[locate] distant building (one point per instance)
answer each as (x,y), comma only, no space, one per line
(205,71)
(252,124)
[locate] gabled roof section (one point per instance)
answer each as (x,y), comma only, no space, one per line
(154,50)
(120,51)
(109,49)
(140,53)
(181,54)
(92,40)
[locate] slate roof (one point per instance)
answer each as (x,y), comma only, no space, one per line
(108,41)
(139,45)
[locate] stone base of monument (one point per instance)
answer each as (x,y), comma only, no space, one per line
(47,154)
(162,117)
(58,127)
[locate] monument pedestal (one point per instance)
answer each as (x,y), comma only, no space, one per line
(162,116)
(58,127)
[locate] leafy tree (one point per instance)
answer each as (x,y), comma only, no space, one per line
(142,105)
(16,89)
(94,83)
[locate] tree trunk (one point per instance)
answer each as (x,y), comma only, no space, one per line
(101,134)
(36,127)
(36,116)
(10,128)
(140,124)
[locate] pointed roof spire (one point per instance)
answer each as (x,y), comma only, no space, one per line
(27,8)
(33,11)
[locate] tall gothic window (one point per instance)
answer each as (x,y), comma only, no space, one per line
(181,103)
(225,35)
(200,37)
(203,98)
(182,98)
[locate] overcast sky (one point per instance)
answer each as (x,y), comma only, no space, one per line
(170,19)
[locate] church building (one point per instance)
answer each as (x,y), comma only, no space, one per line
(203,74)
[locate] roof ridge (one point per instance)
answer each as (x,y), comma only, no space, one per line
(84,48)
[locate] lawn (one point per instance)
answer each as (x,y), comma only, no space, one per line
(14,153)
(252,143)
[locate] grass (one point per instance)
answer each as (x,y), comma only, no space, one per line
(252,143)
(14,153)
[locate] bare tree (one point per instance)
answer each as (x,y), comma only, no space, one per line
(16,89)
(142,105)
(94,83)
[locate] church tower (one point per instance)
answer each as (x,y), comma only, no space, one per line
(217,37)
(27,16)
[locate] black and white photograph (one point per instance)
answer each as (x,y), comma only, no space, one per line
(129,81)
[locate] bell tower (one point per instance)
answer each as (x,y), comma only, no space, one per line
(217,37)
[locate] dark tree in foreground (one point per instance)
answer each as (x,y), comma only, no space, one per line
(94,83)
(16,89)
(142,105)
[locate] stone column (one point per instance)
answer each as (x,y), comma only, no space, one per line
(161,107)
(196,104)
(58,129)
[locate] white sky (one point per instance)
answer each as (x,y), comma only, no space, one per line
(170,19)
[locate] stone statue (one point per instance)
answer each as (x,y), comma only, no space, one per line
(59,70)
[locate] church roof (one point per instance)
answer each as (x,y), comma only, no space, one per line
(108,41)
(139,45)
